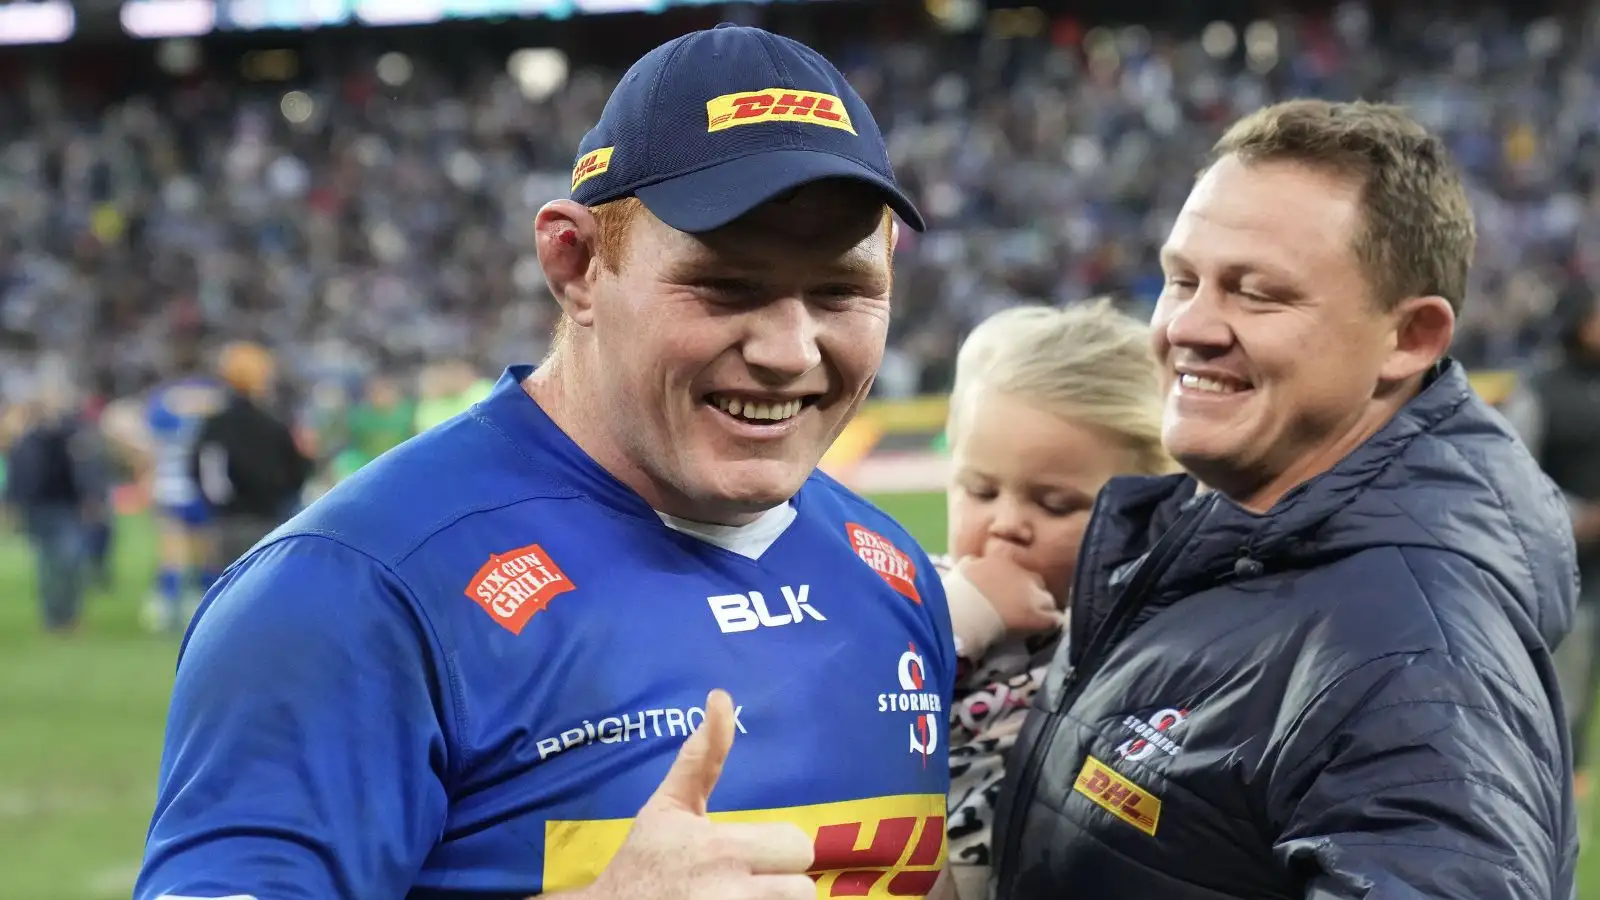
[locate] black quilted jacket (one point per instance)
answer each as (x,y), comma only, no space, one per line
(1349,697)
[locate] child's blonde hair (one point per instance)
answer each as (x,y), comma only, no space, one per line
(1089,363)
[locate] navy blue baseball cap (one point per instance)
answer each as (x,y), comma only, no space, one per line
(708,126)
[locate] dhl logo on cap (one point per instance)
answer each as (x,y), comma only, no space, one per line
(777,105)
(593,163)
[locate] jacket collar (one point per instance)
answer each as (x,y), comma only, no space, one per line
(1134,510)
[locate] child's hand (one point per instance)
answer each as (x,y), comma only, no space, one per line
(1017,595)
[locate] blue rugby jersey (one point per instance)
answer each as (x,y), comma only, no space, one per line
(173,416)
(462,671)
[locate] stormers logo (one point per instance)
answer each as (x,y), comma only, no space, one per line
(925,705)
(777,105)
(593,163)
(1152,735)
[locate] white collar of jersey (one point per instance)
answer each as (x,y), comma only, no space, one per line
(748,540)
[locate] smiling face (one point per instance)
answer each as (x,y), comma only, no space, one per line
(727,363)
(1276,359)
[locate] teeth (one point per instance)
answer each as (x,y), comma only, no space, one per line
(1209,385)
(757,411)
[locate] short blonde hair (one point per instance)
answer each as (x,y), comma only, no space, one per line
(1089,363)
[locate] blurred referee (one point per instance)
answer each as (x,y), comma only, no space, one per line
(245,459)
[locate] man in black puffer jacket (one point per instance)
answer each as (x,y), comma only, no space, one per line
(1326,673)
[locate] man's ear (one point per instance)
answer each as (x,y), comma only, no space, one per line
(564,235)
(1424,327)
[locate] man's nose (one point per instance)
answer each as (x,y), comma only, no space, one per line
(782,339)
(1200,322)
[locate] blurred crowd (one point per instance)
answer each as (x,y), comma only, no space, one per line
(376,221)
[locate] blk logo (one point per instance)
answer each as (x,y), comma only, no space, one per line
(747,612)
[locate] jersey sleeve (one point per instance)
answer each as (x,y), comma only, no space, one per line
(306,750)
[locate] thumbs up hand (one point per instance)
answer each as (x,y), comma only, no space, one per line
(675,852)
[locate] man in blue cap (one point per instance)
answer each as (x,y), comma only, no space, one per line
(512,656)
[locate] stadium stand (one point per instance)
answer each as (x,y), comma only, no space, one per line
(366,211)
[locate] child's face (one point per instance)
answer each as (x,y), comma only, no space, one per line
(1023,482)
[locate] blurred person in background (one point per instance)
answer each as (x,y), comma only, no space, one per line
(384,419)
(101,529)
(173,414)
(15,418)
(98,455)
(1318,664)
(245,458)
(323,431)
(1048,406)
(1565,435)
(55,488)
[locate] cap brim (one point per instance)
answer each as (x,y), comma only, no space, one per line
(710,198)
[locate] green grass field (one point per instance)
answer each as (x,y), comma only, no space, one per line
(81,721)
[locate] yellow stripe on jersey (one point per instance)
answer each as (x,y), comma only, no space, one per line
(877,847)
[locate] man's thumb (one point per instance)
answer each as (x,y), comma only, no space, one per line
(694,773)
